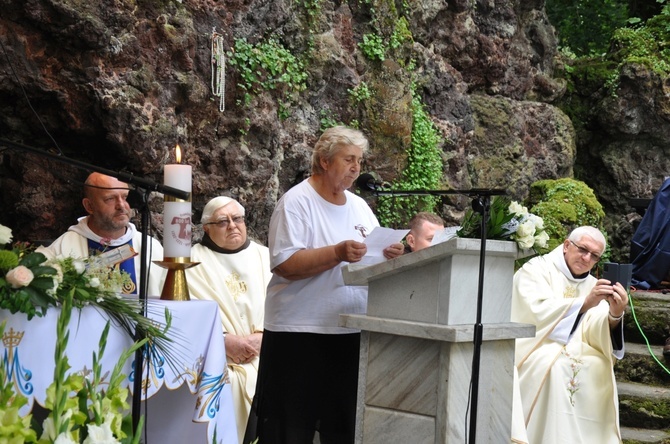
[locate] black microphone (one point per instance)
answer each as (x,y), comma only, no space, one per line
(370,182)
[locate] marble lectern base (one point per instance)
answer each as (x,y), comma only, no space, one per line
(417,344)
(414,381)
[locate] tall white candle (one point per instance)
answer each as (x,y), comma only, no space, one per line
(177,212)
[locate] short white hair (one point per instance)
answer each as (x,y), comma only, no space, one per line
(214,205)
(332,141)
(578,233)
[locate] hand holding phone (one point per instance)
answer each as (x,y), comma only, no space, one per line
(618,273)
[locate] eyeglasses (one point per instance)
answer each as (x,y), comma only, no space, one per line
(595,257)
(223,223)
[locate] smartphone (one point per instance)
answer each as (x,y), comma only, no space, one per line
(618,273)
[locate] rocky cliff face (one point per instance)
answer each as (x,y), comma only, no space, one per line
(119,83)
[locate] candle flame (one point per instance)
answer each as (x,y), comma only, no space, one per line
(177,154)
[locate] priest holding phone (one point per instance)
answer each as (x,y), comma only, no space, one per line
(566,377)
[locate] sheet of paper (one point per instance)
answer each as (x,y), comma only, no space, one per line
(444,235)
(377,240)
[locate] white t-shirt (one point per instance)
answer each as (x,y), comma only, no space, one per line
(304,220)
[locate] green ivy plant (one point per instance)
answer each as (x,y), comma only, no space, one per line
(379,45)
(373,47)
(327,120)
(360,93)
(423,171)
(268,66)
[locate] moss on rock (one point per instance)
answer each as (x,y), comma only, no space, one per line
(564,204)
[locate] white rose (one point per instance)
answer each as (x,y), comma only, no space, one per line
(5,235)
(541,240)
(526,229)
(79,266)
(101,434)
(518,209)
(20,276)
(525,242)
(94,282)
(537,220)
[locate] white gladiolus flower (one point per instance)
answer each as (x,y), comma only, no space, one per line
(5,235)
(101,434)
(65,438)
(48,429)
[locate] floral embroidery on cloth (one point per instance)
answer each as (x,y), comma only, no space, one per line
(573,382)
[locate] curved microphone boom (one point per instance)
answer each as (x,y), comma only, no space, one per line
(370,182)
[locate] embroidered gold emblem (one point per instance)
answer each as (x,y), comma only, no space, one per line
(236,287)
(570,293)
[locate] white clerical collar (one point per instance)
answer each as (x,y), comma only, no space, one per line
(558,258)
(83,229)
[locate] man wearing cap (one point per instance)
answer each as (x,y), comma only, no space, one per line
(234,271)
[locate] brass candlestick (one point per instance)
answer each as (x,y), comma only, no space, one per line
(175,287)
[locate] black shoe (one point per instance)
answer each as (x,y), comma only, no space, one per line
(666,349)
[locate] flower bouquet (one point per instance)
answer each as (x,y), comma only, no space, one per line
(30,284)
(79,409)
(508,220)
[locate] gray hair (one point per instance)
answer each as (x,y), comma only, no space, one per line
(332,140)
(214,205)
(578,233)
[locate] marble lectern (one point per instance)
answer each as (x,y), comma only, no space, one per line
(417,344)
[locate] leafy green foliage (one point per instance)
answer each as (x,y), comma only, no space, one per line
(327,120)
(647,44)
(268,66)
(373,47)
(32,299)
(586,26)
(507,220)
(498,217)
(401,33)
(360,93)
(422,172)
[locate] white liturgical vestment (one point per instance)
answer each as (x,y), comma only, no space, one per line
(566,377)
(238,283)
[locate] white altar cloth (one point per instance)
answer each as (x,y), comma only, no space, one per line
(196,388)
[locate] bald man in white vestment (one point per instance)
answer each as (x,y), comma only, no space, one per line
(106,227)
(234,271)
(566,378)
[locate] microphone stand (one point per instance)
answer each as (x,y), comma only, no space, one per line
(481,203)
(147,185)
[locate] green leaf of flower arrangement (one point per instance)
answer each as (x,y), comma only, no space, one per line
(33,259)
